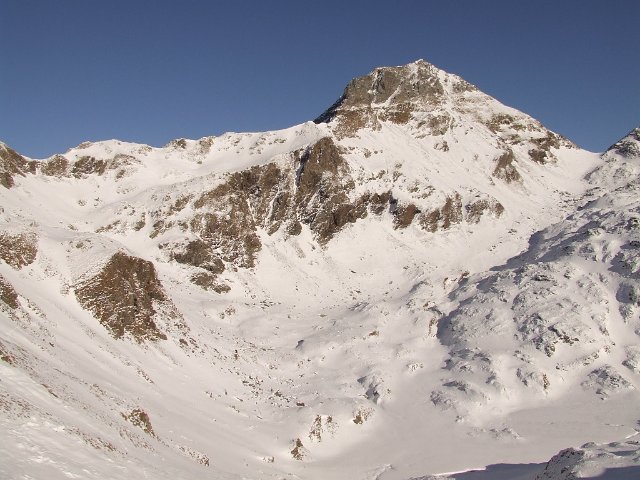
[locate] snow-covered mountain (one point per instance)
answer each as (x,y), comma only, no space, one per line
(420,281)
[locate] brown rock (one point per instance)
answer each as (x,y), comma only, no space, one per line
(475,210)
(321,198)
(7,294)
(56,166)
(443,218)
(404,215)
(199,254)
(499,121)
(12,164)
(402,90)
(18,250)
(505,170)
(538,156)
(122,297)
(313,192)
(208,281)
(452,211)
(542,152)
(88,165)
(140,419)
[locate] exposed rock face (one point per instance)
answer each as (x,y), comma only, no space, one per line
(140,419)
(7,294)
(56,166)
(430,100)
(514,130)
(475,210)
(629,146)
(18,250)
(442,218)
(505,169)
(12,164)
(208,281)
(404,215)
(388,94)
(84,166)
(225,223)
(198,253)
(123,297)
(542,151)
(87,166)
(322,185)
(313,190)
(299,452)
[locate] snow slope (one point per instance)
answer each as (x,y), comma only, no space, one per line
(422,281)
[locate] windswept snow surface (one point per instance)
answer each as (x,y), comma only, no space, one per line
(386,352)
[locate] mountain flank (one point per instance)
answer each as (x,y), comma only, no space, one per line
(421,280)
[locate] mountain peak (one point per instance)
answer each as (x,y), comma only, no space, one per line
(629,145)
(431,103)
(311,287)
(396,90)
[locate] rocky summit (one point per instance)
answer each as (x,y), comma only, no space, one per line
(421,280)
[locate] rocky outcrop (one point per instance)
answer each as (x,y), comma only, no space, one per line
(140,419)
(8,295)
(56,166)
(208,281)
(505,169)
(18,250)
(225,223)
(124,297)
(86,165)
(313,190)
(323,183)
(443,218)
(475,210)
(615,460)
(542,151)
(629,146)
(199,254)
(386,94)
(13,164)
(403,215)
(562,465)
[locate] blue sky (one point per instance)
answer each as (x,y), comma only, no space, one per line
(149,71)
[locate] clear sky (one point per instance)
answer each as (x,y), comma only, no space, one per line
(149,71)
